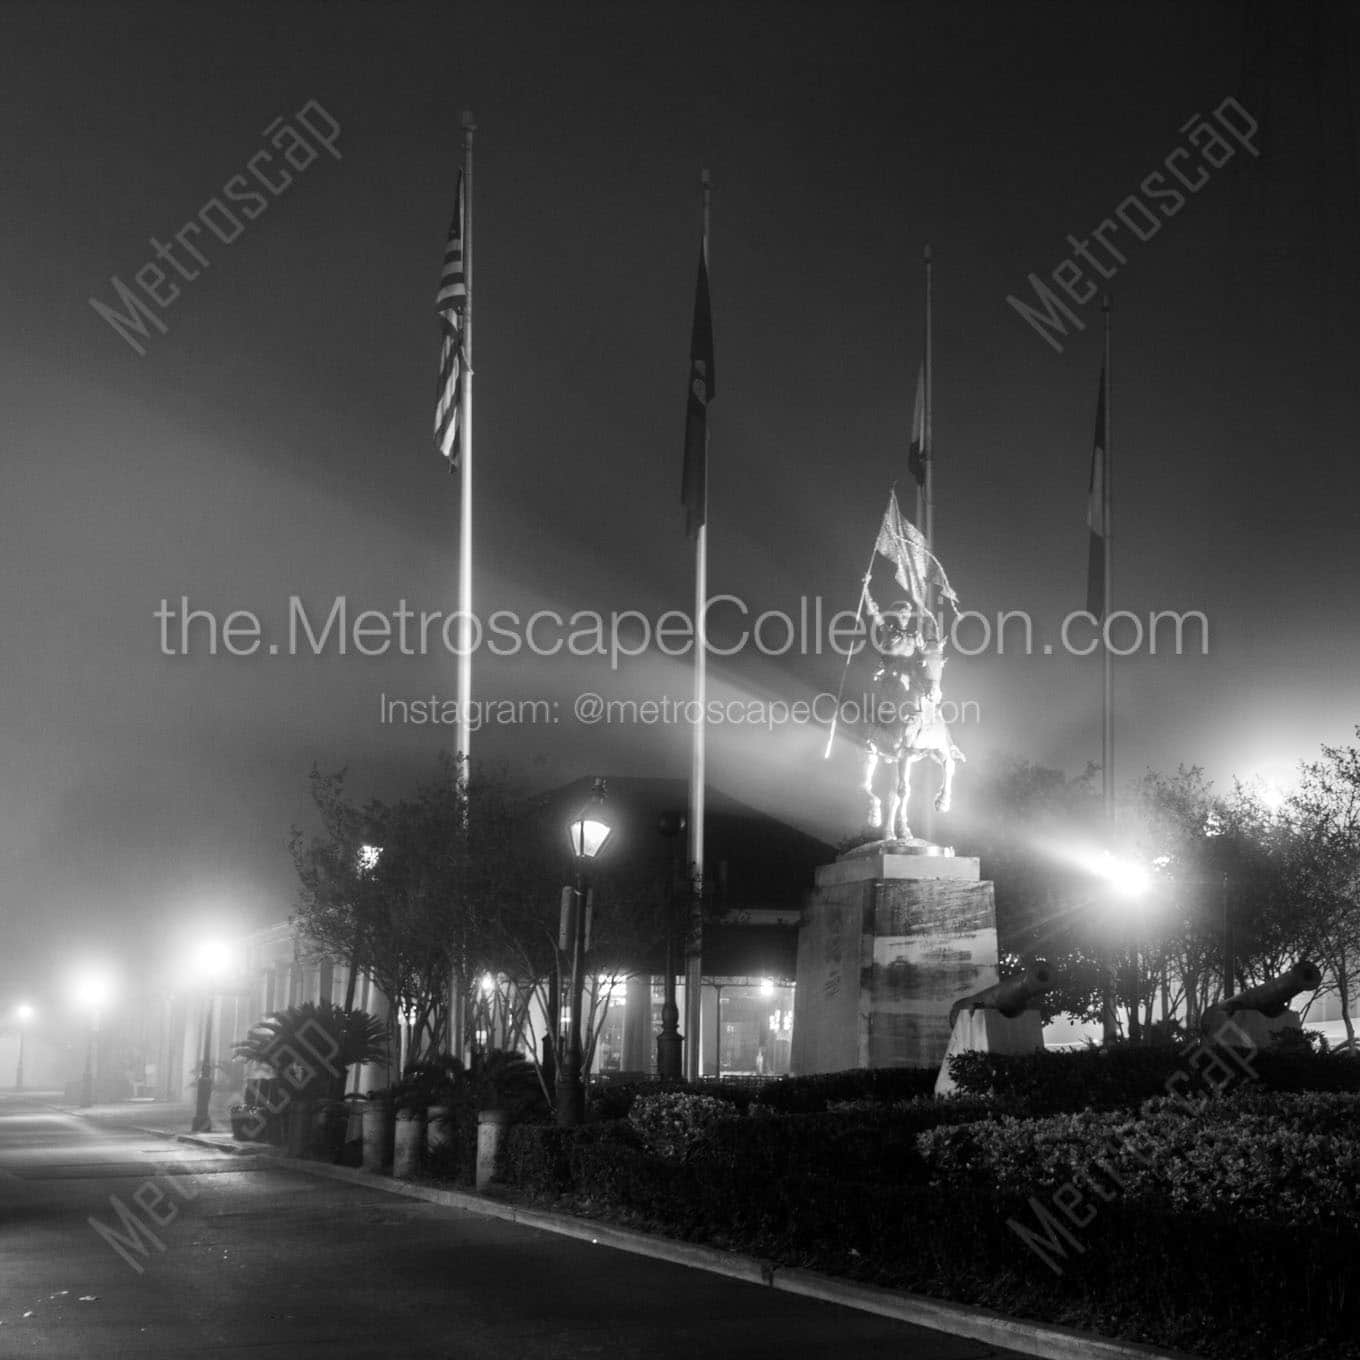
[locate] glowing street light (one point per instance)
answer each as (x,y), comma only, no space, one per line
(588,831)
(211,962)
(23,1013)
(92,991)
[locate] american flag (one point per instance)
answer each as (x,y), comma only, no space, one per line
(449,303)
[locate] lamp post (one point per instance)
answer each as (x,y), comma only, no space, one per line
(588,831)
(211,963)
(92,991)
(669,1043)
(23,1014)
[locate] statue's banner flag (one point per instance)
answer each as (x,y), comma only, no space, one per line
(694,484)
(1095,514)
(917,569)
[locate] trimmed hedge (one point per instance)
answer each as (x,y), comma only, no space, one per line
(856,1145)
(788,1095)
(1125,1075)
(1200,1281)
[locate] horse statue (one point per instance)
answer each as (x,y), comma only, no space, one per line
(904,724)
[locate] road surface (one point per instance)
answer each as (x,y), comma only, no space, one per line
(119,1244)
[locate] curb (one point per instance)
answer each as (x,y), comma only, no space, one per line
(1044,1340)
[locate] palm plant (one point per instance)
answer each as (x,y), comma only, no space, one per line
(312,1046)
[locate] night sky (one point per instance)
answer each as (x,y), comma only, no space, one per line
(275,440)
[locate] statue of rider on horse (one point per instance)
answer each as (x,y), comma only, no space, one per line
(904,724)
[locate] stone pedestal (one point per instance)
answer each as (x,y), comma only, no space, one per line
(985,1031)
(888,942)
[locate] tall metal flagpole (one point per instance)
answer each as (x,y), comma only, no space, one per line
(1109,1019)
(927,432)
(464,731)
(928,456)
(694,943)
(463,749)
(1106,481)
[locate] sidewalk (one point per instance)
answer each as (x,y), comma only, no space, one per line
(167,1119)
(1044,1340)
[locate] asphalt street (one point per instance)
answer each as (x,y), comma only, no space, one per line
(115,1243)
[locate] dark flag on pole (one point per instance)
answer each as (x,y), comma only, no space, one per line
(1095,514)
(694,485)
(450,303)
(916,453)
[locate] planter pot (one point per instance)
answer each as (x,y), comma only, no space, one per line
(438,1128)
(408,1143)
(378,1134)
(299,1120)
(247,1126)
(332,1118)
(491,1126)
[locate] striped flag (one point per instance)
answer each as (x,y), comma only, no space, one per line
(694,483)
(450,302)
(1095,514)
(916,453)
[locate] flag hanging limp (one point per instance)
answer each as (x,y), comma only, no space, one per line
(916,568)
(450,303)
(694,483)
(1095,514)
(916,452)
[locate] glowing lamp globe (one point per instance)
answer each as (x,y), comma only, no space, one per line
(589,829)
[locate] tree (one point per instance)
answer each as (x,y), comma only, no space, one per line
(1324,814)
(313,1046)
(463,900)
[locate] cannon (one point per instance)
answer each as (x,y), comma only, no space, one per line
(1011,996)
(1272,998)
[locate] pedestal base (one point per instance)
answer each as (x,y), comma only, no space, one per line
(888,943)
(984,1031)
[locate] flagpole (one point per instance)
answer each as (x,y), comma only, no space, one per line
(1107,708)
(928,456)
(463,751)
(928,437)
(694,943)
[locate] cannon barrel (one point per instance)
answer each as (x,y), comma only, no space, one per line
(1273,997)
(1010,996)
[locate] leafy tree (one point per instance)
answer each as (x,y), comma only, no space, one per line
(463,900)
(313,1046)
(1324,816)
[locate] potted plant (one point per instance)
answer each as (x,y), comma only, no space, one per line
(505,1090)
(408,1141)
(309,1050)
(378,1130)
(247,1123)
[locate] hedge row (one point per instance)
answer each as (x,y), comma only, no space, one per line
(788,1095)
(1289,1159)
(858,1145)
(1200,1281)
(1123,1076)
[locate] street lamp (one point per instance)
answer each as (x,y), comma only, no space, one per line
(23,1013)
(212,961)
(588,831)
(92,991)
